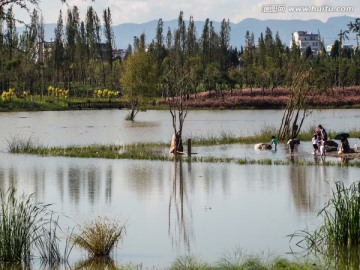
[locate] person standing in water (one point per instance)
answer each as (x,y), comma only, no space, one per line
(291,143)
(273,142)
(315,143)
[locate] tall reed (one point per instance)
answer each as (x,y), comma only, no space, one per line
(20,222)
(339,235)
(28,230)
(47,244)
(342,216)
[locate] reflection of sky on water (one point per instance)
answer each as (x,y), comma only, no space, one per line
(109,127)
(177,209)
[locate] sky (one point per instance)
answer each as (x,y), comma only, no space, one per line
(140,11)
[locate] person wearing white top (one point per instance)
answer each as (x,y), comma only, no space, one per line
(315,142)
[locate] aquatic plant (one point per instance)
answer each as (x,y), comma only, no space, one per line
(99,237)
(239,260)
(339,235)
(23,225)
(18,144)
(189,263)
(47,244)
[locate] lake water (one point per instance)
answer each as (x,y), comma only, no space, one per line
(175,208)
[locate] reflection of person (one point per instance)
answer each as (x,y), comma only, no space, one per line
(273,142)
(315,143)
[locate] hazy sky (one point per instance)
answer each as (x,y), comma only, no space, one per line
(139,11)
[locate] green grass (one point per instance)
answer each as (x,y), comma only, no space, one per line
(338,237)
(159,151)
(25,227)
(153,151)
(37,104)
(306,135)
(264,135)
(243,261)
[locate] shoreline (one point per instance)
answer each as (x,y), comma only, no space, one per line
(347,156)
(236,99)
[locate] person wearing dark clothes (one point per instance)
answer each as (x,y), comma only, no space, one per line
(345,147)
(323,133)
(291,145)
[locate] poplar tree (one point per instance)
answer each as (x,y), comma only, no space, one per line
(109,37)
(81,53)
(192,45)
(205,44)
(224,44)
(11,38)
(159,52)
(91,41)
(71,37)
(58,47)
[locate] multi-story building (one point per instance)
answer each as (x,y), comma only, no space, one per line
(303,40)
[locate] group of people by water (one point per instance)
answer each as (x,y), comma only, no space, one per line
(319,143)
(319,140)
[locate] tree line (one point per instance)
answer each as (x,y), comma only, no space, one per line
(81,58)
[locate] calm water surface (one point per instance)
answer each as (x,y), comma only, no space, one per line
(174,209)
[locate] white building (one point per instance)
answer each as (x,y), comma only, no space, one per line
(344,46)
(303,40)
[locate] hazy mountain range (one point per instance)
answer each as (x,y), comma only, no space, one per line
(329,30)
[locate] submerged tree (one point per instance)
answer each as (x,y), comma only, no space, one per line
(178,85)
(297,108)
(138,81)
(178,88)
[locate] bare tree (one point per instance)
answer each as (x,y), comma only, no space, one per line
(178,85)
(297,108)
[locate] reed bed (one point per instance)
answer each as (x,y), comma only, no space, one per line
(264,135)
(244,261)
(25,228)
(338,238)
(159,151)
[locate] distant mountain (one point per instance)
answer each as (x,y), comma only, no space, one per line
(329,30)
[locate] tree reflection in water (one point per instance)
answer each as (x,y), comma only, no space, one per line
(180,214)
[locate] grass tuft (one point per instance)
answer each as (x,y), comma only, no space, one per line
(189,263)
(20,145)
(99,237)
